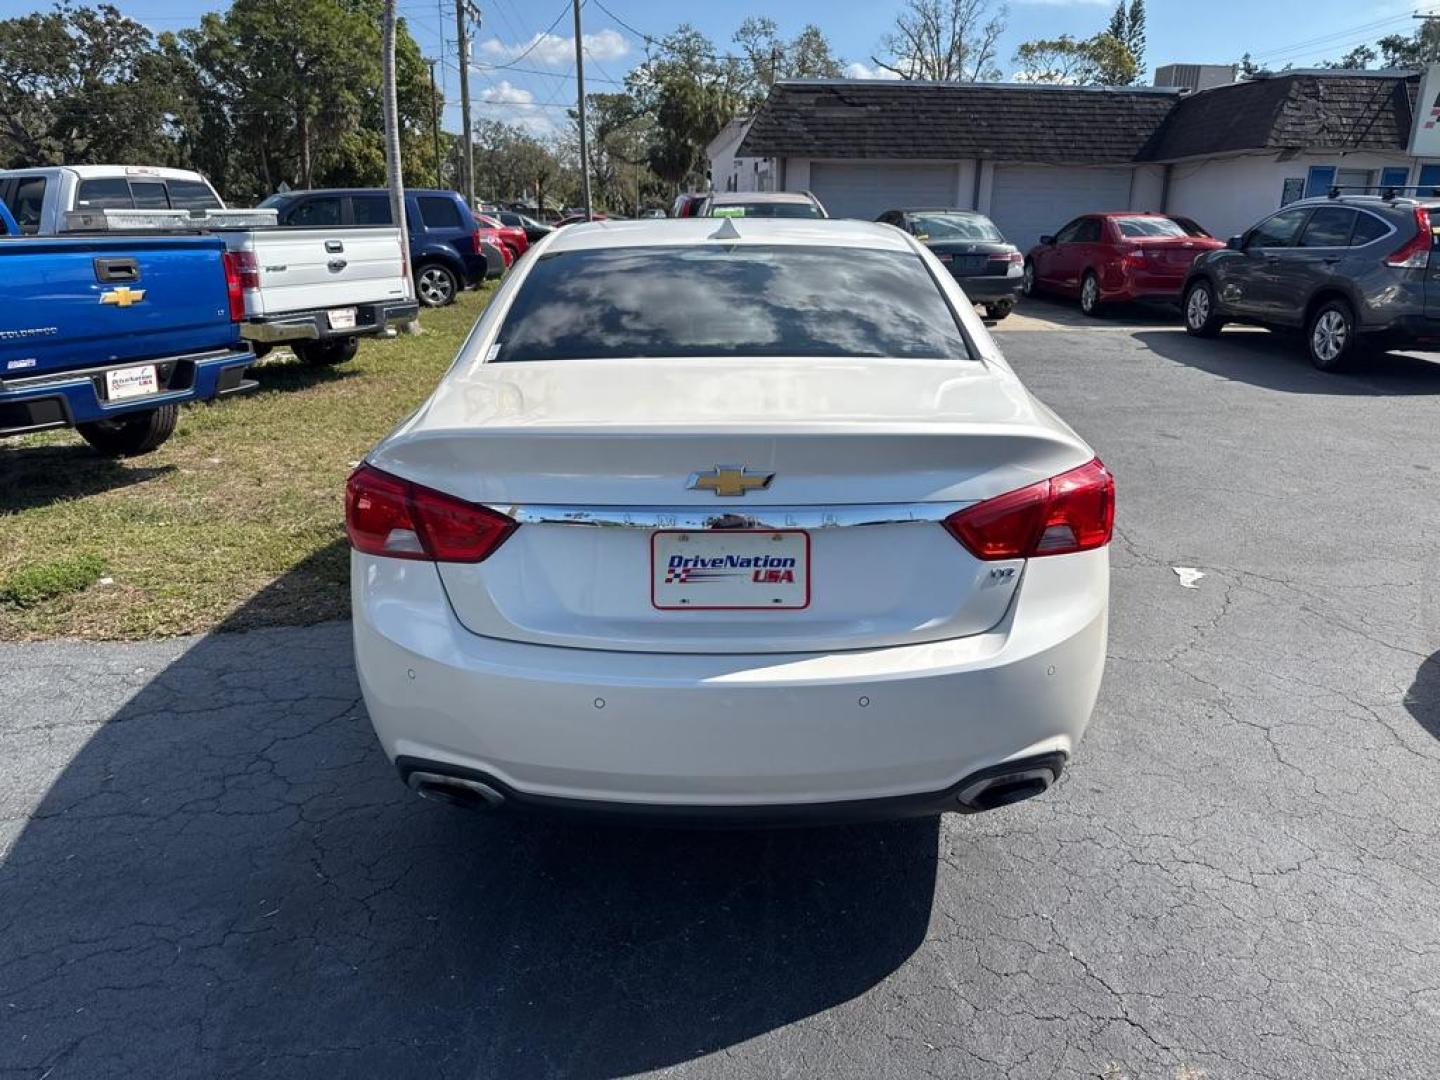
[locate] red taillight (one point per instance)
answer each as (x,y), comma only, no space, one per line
(1074,511)
(385,515)
(1013,257)
(241,273)
(1133,258)
(477,237)
(1415,255)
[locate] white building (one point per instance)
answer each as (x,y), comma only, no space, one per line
(729,172)
(1032,157)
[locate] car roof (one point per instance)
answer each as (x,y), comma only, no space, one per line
(698,232)
(105,172)
(725,198)
(935,210)
(295,193)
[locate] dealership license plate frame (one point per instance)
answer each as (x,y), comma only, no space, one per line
(793,596)
(341,318)
(117,389)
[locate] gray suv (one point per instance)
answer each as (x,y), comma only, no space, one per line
(1351,271)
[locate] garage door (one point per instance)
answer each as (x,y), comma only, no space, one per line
(1030,200)
(867,191)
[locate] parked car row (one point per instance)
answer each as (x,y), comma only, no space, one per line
(1351,272)
(314,270)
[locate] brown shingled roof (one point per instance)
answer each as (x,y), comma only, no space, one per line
(1071,125)
(858,118)
(1291,110)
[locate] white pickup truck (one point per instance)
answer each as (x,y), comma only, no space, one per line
(318,289)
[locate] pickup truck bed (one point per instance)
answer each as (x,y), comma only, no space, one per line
(111,333)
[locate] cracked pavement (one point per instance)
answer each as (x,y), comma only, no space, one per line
(210,870)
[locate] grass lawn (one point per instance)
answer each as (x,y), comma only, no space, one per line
(236,522)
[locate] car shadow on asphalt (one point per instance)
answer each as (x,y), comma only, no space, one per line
(227,877)
(1278,362)
(35,476)
(1423,697)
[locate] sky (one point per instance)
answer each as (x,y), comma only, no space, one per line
(523,51)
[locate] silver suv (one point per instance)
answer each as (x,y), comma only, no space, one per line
(1352,271)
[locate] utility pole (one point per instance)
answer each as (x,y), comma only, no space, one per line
(463,41)
(394,176)
(580,94)
(435,121)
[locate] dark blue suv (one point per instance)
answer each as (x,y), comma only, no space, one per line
(447,253)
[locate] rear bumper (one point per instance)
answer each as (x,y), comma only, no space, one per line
(878,732)
(315,325)
(1123,286)
(40,402)
(1405,331)
(990,289)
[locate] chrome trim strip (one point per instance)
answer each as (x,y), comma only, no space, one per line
(757,517)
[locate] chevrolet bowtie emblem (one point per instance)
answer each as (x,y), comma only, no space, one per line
(729,480)
(124,296)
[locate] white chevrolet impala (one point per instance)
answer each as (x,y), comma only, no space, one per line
(744,520)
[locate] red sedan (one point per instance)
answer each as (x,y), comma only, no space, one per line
(510,239)
(1117,256)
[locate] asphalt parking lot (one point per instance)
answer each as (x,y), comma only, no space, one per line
(210,870)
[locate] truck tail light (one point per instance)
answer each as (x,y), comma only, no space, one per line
(235,277)
(1074,511)
(1415,255)
(385,515)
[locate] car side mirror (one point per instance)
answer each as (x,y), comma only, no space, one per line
(1236,243)
(1047,240)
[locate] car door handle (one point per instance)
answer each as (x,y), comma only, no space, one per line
(334,247)
(1330,260)
(336,265)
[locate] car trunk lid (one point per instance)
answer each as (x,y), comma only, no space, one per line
(614,470)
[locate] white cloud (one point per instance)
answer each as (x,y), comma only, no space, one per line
(857,70)
(514,105)
(552,50)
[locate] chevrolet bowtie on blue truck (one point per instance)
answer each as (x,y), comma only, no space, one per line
(111,333)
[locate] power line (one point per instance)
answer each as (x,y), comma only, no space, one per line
(535,44)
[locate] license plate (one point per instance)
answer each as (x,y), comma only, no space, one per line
(972,264)
(730,570)
(131,382)
(342,318)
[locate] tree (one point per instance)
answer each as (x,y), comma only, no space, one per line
(691,93)
(770,58)
(1099,61)
(1127,26)
(1357,59)
(944,41)
(82,85)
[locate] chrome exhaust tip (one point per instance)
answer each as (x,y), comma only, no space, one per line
(1012,782)
(455,790)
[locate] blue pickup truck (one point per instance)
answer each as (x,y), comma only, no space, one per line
(111,333)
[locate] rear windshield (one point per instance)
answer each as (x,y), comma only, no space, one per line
(1148,226)
(729,301)
(766,209)
(955,227)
